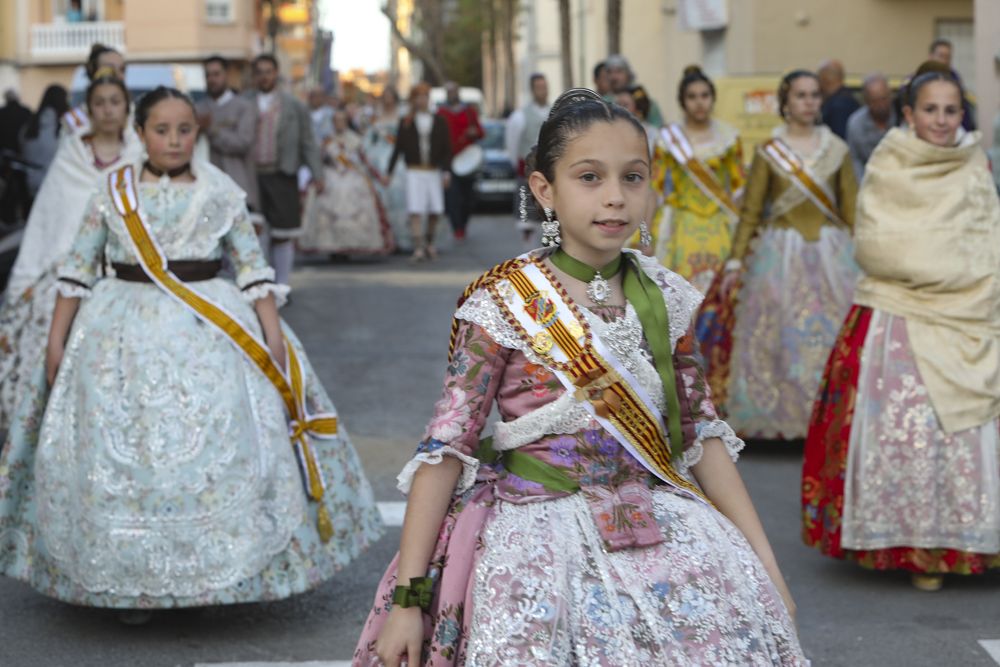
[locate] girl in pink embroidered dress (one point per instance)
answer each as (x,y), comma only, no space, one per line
(601,562)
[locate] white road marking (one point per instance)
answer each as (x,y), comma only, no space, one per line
(333,663)
(992,647)
(392,513)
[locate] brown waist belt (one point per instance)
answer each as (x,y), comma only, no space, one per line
(186,271)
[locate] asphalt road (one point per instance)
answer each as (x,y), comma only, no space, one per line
(377,332)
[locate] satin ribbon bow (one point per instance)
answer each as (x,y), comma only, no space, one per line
(419,593)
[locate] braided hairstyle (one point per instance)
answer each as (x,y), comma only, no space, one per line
(572,113)
(786,86)
(926,73)
(154,97)
(693,74)
(94,59)
(106,76)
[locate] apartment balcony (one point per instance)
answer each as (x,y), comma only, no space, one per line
(71,42)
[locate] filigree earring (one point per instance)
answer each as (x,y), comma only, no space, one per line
(550,229)
(645,238)
(522,208)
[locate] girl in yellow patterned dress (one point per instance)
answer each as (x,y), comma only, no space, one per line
(699,169)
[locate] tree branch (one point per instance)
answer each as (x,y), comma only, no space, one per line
(416,49)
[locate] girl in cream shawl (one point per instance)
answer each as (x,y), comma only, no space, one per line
(79,168)
(901,467)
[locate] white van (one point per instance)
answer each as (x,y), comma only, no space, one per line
(140,78)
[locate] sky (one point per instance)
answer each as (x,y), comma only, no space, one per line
(360,33)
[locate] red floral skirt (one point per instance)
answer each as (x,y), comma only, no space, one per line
(826,465)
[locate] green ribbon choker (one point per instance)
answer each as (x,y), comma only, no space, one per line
(581,271)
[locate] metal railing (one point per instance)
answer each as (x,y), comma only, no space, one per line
(75,39)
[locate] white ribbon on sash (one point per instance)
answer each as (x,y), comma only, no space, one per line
(537,330)
(802,177)
(680,148)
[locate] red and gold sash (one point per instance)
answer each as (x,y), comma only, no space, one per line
(561,336)
(815,189)
(302,425)
(682,151)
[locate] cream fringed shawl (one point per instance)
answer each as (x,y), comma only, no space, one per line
(927,236)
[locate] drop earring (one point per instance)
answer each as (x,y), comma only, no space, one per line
(550,229)
(645,238)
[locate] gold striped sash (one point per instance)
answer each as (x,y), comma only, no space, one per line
(801,176)
(302,425)
(703,177)
(584,367)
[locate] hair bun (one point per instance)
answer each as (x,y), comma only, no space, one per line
(692,69)
(574,96)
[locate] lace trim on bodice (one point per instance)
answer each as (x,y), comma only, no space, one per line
(566,415)
(213,204)
(681,298)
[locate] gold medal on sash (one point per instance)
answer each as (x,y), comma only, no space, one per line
(542,342)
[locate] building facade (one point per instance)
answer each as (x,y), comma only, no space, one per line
(760,40)
(42,43)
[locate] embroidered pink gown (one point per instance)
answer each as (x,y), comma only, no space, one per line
(625,572)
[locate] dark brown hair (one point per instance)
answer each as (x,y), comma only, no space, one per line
(154,97)
(693,74)
(786,86)
(107,80)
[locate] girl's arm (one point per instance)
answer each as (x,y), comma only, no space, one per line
(77,272)
(267,313)
(717,475)
(62,320)
(444,463)
(403,632)
(710,453)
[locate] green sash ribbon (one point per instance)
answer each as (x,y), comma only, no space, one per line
(647,299)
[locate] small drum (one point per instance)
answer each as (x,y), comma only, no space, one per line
(468,161)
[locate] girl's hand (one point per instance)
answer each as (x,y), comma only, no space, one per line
(402,637)
(53,357)
(277,349)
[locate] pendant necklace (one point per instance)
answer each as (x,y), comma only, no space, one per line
(598,287)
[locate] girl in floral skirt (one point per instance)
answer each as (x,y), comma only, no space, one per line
(604,523)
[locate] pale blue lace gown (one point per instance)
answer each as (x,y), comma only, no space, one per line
(162,473)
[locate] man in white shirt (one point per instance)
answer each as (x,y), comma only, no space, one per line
(520,137)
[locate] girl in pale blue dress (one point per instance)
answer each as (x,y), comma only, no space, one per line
(162,473)
(379,143)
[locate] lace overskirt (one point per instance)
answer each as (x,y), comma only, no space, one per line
(540,589)
(793,301)
(162,474)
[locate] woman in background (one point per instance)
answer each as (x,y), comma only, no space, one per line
(790,276)
(901,467)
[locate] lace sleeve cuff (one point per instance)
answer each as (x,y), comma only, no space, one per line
(259,290)
(705,431)
(72,289)
(432,453)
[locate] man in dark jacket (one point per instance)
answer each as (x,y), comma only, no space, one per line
(422,140)
(838,102)
(13,194)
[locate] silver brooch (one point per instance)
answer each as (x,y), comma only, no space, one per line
(598,289)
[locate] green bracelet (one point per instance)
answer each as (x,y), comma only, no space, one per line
(417,594)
